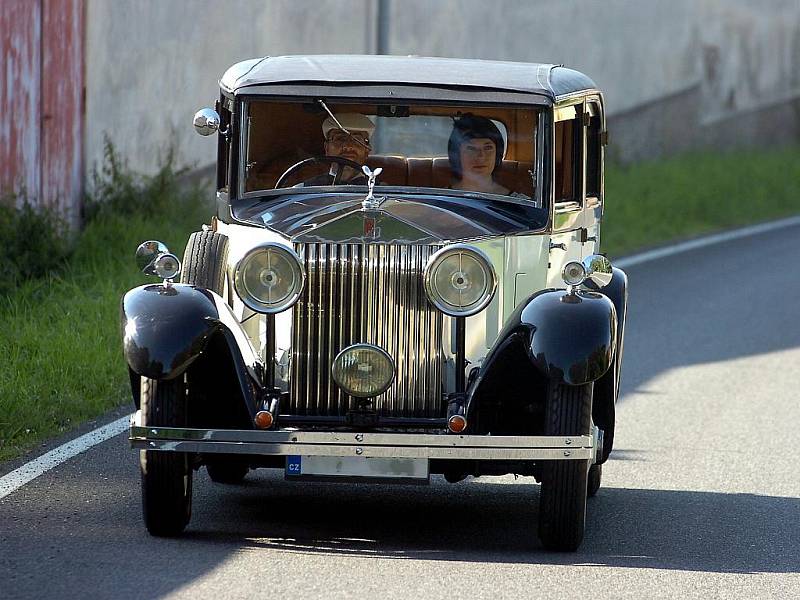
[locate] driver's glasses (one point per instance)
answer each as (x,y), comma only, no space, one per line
(340,138)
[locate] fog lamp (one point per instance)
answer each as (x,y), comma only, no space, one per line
(363,370)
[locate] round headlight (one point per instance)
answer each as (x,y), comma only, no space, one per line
(459,280)
(574,273)
(269,278)
(363,370)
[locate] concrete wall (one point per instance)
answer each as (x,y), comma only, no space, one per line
(728,71)
(150,64)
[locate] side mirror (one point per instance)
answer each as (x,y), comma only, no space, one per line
(598,269)
(206,121)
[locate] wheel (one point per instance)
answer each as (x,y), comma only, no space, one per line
(595,476)
(166,476)
(562,501)
(224,469)
(346,162)
(205,260)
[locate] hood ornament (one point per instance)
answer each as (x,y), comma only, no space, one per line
(371,202)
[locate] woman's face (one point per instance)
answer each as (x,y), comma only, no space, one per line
(478,156)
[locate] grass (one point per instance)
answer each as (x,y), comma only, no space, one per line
(60,340)
(652,203)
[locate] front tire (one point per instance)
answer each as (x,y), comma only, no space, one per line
(205,261)
(595,477)
(166,476)
(562,501)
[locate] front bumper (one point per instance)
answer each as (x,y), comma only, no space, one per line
(367,444)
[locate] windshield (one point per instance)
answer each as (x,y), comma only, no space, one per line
(483,149)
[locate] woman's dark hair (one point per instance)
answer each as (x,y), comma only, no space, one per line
(469,127)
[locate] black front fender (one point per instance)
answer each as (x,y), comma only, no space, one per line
(572,337)
(565,338)
(165,328)
(553,336)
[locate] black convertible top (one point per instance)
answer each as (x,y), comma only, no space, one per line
(263,75)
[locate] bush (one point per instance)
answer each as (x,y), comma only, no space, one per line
(34,243)
(116,190)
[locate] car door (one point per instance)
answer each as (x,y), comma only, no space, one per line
(594,141)
(569,148)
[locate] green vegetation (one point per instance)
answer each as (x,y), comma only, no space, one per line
(652,203)
(60,340)
(60,308)
(33,241)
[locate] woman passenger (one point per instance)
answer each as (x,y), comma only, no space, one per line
(475,150)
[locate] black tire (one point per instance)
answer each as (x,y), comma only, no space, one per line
(226,469)
(205,260)
(562,501)
(166,476)
(594,479)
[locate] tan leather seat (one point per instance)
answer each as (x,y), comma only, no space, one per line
(436,172)
(395,170)
(421,172)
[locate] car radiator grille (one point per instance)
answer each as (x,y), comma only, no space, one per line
(366,293)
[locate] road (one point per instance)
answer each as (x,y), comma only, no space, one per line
(700,500)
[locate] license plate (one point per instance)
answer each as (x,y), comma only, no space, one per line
(357,467)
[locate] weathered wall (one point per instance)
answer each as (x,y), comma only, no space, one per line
(151,64)
(41,92)
(726,71)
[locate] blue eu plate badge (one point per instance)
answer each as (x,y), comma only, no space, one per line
(293,465)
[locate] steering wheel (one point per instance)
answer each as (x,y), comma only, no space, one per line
(345,162)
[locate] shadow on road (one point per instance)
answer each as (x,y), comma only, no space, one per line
(494,522)
(707,306)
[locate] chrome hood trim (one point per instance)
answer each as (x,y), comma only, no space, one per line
(400,219)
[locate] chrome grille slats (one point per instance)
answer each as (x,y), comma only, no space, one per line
(370,293)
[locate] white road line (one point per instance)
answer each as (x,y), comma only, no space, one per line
(708,240)
(30,471)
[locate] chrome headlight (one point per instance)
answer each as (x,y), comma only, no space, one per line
(459,280)
(269,278)
(363,370)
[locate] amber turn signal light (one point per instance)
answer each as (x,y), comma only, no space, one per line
(457,423)
(263,419)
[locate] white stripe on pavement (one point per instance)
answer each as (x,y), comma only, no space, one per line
(708,240)
(30,471)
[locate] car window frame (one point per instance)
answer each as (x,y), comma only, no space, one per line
(541,195)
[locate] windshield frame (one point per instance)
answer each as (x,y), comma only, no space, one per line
(541,196)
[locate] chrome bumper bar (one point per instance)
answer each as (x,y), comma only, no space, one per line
(387,445)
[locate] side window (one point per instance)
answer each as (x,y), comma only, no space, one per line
(594,152)
(568,151)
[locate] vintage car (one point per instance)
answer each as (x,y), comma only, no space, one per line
(402,279)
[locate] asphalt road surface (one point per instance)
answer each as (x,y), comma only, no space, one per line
(700,500)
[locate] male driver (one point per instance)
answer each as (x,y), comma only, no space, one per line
(348,139)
